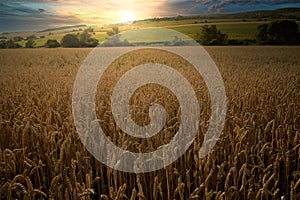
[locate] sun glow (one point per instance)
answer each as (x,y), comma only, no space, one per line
(127,17)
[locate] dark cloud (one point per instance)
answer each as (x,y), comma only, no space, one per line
(196,6)
(222,5)
(31,24)
(17,17)
(184,7)
(180,5)
(14,8)
(204,2)
(26,10)
(277,2)
(212,6)
(35,1)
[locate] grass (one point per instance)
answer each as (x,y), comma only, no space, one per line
(234,31)
(100,36)
(183,22)
(42,41)
(235,28)
(240,31)
(151,35)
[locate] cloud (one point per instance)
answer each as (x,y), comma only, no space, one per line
(31,24)
(211,6)
(7,8)
(110,11)
(36,1)
(228,5)
(15,16)
(18,14)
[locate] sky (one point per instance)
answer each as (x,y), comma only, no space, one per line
(22,15)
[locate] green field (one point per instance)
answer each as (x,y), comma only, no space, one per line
(183,22)
(234,31)
(40,42)
(149,35)
(101,36)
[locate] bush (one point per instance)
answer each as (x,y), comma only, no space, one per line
(9,44)
(241,42)
(114,31)
(80,40)
(210,35)
(70,40)
(30,43)
(2,44)
(234,42)
(91,42)
(52,44)
(85,39)
(176,42)
(115,42)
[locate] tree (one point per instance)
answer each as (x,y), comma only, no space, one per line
(262,34)
(210,35)
(278,32)
(9,44)
(80,40)
(90,29)
(115,41)
(86,40)
(70,40)
(114,31)
(91,42)
(84,37)
(2,44)
(52,44)
(176,42)
(30,43)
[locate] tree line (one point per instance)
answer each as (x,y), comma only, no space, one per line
(83,39)
(280,32)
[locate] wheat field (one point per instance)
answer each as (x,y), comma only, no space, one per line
(256,157)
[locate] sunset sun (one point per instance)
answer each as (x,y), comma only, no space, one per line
(127,17)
